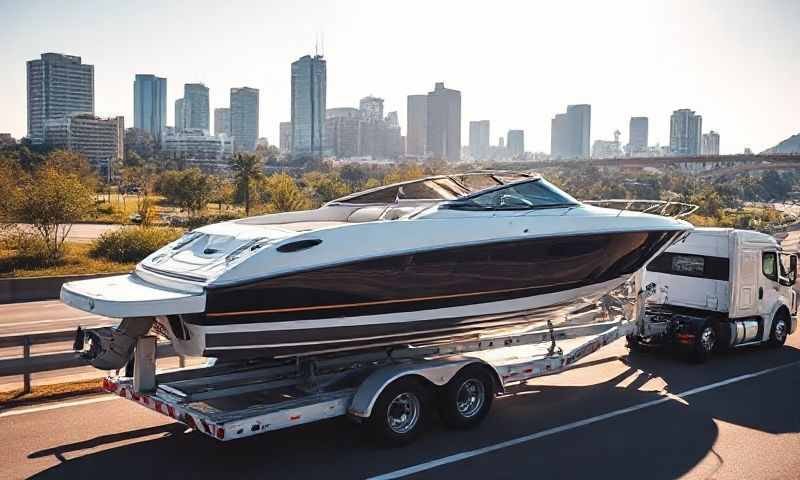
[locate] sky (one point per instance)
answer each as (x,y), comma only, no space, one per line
(516,63)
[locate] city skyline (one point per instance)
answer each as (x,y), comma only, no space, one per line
(675,73)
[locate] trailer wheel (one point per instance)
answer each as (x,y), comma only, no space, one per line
(466,399)
(780,330)
(399,414)
(704,344)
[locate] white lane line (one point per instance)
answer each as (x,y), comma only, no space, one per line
(54,320)
(24,305)
(570,426)
(56,406)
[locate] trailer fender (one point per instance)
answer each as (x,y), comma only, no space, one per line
(436,372)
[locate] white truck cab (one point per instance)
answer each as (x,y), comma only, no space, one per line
(722,287)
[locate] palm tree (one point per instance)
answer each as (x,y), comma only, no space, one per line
(247,168)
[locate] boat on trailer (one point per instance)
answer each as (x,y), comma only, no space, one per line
(438,259)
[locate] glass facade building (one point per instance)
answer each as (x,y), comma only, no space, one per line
(150,104)
(244,118)
(308,105)
(197,114)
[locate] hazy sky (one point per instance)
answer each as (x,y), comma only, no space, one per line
(517,63)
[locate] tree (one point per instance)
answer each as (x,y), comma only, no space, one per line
(190,189)
(51,201)
(247,168)
(325,187)
(283,194)
(66,161)
(353,175)
(403,173)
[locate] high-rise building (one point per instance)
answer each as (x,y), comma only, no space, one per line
(308,105)
(371,108)
(343,132)
(198,114)
(100,140)
(416,125)
(392,119)
(222,121)
(516,142)
(58,85)
(285,137)
(182,112)
(244,118)
(150,104)
(479,139)
(570,133)
(444,123)
(194,147)
(710,143)
(685,132)
(501,142)
(637,137)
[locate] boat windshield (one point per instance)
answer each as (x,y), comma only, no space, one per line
(524,195)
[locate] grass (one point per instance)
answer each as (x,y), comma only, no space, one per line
(15,398)
(76,261)
(119,208)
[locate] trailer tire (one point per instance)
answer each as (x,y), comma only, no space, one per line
(780,330)
(704,344)
(400,412)
(466,399)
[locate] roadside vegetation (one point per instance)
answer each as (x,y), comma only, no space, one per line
(158,198)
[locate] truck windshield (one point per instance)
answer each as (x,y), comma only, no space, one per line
(524,195)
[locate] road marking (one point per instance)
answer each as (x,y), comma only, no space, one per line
(43,408)
(570,426)
(41,304)
(54,320)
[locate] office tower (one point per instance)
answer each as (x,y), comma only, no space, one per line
(479,139)
(570,133)
(194,147)
(392,119)
(416,125)
(308,105)
(516,142)
(501,142)
(285,137)
(343,132)
(244,118)
(58,85)
(100,140)
(685,132)
(222,121)
(444,123)
(197,114)
(150,104)
(371,108)
(637,137)
(182,111)
(710,143)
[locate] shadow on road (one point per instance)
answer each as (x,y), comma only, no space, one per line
(666,441)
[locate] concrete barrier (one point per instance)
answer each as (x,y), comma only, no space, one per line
(38,288)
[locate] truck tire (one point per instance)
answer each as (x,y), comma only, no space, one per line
(780,330)
(466,399)
(399,414)
(632,342)
(704,344)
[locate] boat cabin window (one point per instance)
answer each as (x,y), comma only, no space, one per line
(525,195)
(434,189)
(769,265)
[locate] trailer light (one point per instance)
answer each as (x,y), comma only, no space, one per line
(685,337)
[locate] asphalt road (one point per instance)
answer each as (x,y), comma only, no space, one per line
(86,232)
(643,415)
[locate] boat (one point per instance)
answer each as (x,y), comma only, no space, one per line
(419,261)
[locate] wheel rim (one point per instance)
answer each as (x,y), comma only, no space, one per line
(402,414)
(780,330)
(707,339)
(470,398)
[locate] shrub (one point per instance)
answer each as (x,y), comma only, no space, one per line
(132,244)
(31,250)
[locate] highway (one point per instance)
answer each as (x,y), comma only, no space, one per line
(620,415)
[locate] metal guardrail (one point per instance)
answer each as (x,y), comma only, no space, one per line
(46,362)
(666,208)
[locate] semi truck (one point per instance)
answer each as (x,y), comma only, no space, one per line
(721,288)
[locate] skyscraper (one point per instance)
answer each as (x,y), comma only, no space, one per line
(308,105)
(182,111)
(710,143)
(150,103)
(637,138)
(197,115)
(685,131)
(100,140)
(479,139)
(222,121)
(444,123)
(416,125)
(244,118)
(58,85)
(371,108)
(516,142)
(570,133)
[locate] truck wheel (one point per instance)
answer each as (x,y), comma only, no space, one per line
(780,329)
(633,343)
(466,399)
(704,344)
(399,414)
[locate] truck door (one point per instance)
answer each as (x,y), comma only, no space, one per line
(768,287)
(747,283)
